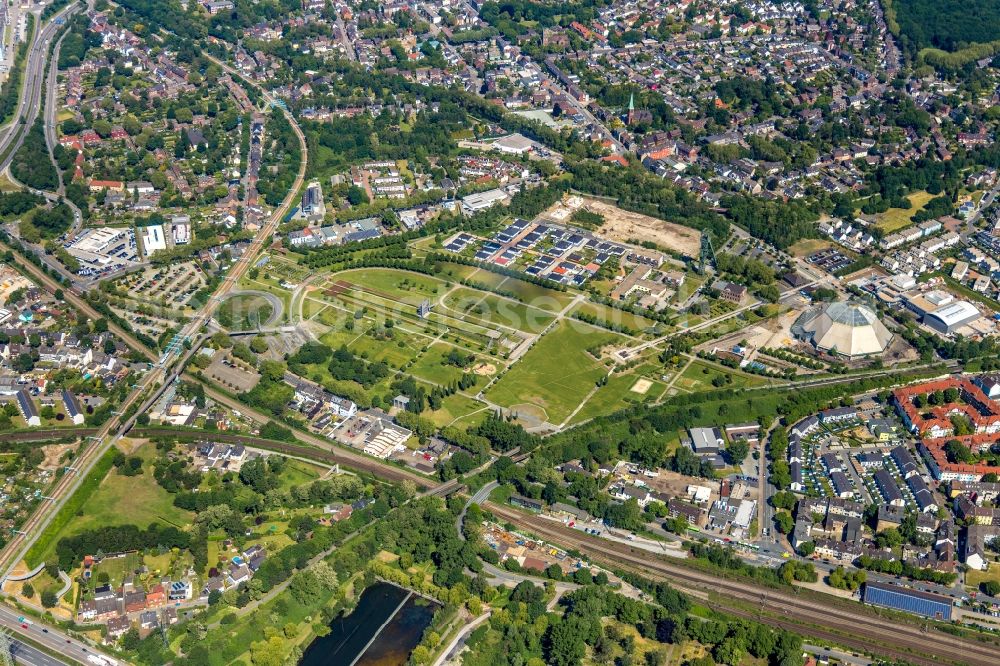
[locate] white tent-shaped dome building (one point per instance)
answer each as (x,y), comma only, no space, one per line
(848,329)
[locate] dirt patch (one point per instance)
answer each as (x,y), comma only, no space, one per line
(641,386)
(622,225)
(530,416)
(485,369)
(676,485)
(130,445)
(53,455)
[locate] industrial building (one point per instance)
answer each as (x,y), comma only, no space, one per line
(940,311)
(934,606)
(952,317)
(848,329)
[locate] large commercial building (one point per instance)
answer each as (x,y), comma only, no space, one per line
(952,317)
(848,329)
(934,606)
(940,311)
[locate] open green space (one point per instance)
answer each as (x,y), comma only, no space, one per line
(400,285)
(699,377)
(431,366)
(614,316)
(557,373)
(138,500)
(618,394)
(244,312)
(458,410)
(486,308)
(895,219)
(532,294)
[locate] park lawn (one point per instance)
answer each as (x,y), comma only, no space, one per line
(535,295)
(312,307)
(616,395)
(459,271)
(430,365)
(297,473)
(698,377)
(557,373)
(895,219)
(396,352)
(270,285)
(454,407)
(137,500)
(486,308)
(616,317)
(807,246)
(397,285)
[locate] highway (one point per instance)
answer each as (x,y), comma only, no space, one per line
(833,619)
(30,101)
(52,639)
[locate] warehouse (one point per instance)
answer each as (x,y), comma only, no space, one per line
(929,605)
(952,317)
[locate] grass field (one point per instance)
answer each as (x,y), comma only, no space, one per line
(77,502)
(532,294)
(699,376)
(145,500)
(430,366)
(557,373)
(897,218)
(973,577)
(616,316)
(245,312)
(458,410)
(297,473)
(486,308)
(617,394)
(400,285)
(807,246)
(397,352)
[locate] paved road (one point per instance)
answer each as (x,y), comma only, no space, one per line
(70,649)
(34,81)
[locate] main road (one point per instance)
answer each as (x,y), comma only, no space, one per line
(30,101)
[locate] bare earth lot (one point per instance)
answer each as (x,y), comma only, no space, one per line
(622,225)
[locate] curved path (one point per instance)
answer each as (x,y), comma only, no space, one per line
(277,305)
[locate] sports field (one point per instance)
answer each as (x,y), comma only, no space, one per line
(556,374)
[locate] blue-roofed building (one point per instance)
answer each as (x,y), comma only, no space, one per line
(841,485)
(930,605)
(72,407)
(887,486)
(28,410)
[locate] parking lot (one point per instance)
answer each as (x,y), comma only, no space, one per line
(172,285)
(830,260)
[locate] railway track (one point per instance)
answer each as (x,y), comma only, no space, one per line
(856,627)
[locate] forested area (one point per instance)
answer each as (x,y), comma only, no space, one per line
(281,160)
(32,164)
(945,24)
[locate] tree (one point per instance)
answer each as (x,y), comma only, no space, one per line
(737,451)
(783,521)
(990,587)
(49,599)
(28,591)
